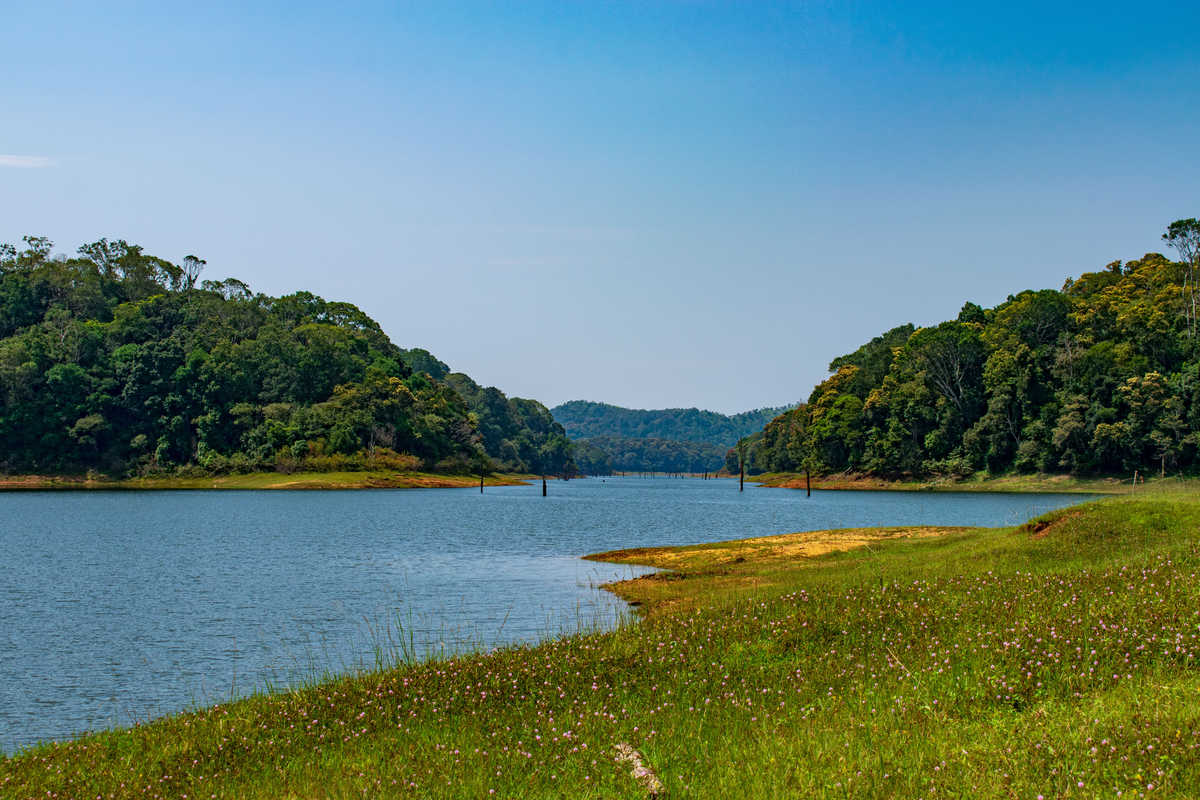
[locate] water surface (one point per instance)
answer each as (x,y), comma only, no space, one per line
(120,606)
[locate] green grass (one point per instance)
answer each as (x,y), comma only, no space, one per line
(377,479)
(1057,659)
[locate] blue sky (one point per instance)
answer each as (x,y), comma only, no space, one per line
(651,204)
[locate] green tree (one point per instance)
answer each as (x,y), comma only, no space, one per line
(1184,236)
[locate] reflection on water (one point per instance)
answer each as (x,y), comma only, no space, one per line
(119,606)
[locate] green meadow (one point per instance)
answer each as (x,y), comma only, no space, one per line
(1055,659)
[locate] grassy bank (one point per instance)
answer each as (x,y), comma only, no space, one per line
(269,480)
(1058,658)
(974,483)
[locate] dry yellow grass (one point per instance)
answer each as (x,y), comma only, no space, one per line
(697,572)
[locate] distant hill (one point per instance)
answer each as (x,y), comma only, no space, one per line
(602,455)
(585,420)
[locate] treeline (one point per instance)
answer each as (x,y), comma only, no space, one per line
(118,361)
(1100,377)
(585,420)
(602,455)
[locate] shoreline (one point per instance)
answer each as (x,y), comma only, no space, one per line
(390,479)
(378,479)
(675,563)
(687,572)
(1032,484)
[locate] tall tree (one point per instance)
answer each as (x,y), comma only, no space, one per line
(1184,236)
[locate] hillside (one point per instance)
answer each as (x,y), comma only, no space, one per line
(628,454)
(665,440)
(1101,377)
(583,419)
(123,363)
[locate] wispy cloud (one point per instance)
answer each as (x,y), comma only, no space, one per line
(25,162)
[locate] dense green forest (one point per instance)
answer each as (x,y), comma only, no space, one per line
(583,420)
(1100,377)
(601,455)
(121,362)
(610,438)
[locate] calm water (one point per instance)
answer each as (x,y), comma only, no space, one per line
(119,606)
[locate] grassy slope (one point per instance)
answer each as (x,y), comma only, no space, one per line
(270,480)
(1055,659)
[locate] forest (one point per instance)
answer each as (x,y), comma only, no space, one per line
(602,455)
(610,438)
(119,362)
(1097,378)
(583,419)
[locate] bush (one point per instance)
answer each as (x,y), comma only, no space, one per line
(386,458)
(456,465)
(956,466)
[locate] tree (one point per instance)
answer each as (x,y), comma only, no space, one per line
(192,267)
(1184,236)
(950,356)
(105,255)
(37,249)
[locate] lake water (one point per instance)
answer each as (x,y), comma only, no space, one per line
(120,606)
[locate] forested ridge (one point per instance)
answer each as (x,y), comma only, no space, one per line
(125,363)
(583,419)
(610,438)
(601,455)
(1100,377)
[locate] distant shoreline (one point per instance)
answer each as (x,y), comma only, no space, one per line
(390,479)
(1035,483)
(380,479)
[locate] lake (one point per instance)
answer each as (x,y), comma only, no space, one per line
(119,606)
